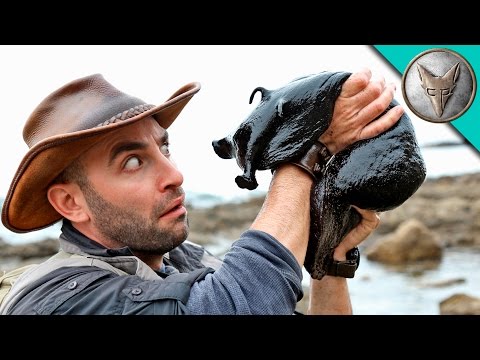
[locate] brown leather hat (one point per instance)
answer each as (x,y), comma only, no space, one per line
(66,124)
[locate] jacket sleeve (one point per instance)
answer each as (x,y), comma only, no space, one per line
(258,276)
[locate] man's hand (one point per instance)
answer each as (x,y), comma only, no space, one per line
(369,222)
(361,100)
(330,294)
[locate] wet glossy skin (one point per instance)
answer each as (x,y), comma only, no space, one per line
(284,124)
(377,174)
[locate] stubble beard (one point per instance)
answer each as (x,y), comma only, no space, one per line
(131,229)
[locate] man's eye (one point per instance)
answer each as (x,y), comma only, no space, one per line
(431,92)
(132,163)
(165,149)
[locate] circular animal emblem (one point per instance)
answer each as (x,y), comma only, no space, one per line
(439,85)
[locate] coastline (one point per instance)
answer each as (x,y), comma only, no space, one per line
(449,206)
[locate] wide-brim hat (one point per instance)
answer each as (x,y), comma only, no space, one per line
(63,126)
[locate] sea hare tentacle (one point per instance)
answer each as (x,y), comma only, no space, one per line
(377,174)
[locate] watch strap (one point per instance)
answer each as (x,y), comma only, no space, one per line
(315,160)
(345,268)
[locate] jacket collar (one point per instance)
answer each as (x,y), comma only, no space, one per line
(73,241)
(87,245)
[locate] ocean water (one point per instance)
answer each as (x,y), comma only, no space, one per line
(381,290)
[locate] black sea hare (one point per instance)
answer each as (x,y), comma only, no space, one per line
(377,174)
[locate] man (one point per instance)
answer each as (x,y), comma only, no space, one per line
(99,159)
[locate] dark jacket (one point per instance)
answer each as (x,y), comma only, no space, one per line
(257,276)
(86,278)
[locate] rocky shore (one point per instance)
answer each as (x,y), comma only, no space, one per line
(443,213)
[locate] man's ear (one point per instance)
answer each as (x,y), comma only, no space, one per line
(69,202)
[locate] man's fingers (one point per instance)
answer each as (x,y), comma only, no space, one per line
(382,124)
(377,104)
(356,83)
(358,112)
(370,218)
(369,222)
(371,94)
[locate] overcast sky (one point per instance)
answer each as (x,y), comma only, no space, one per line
(228,75)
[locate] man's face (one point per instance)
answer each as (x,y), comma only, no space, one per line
(134,190)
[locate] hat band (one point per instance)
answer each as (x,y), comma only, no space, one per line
(127,114)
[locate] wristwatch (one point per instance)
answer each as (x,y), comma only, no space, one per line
(345,268)
(315,160)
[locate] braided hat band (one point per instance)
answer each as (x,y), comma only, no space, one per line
(127,114)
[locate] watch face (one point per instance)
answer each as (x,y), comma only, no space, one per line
(354,255)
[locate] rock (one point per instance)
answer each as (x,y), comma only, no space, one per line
(226,220)
(443,283)
(475,223)
(448,205)
(43,248)
(411,242)
(12,256)
(460,304)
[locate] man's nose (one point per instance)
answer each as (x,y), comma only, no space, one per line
(168,174)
